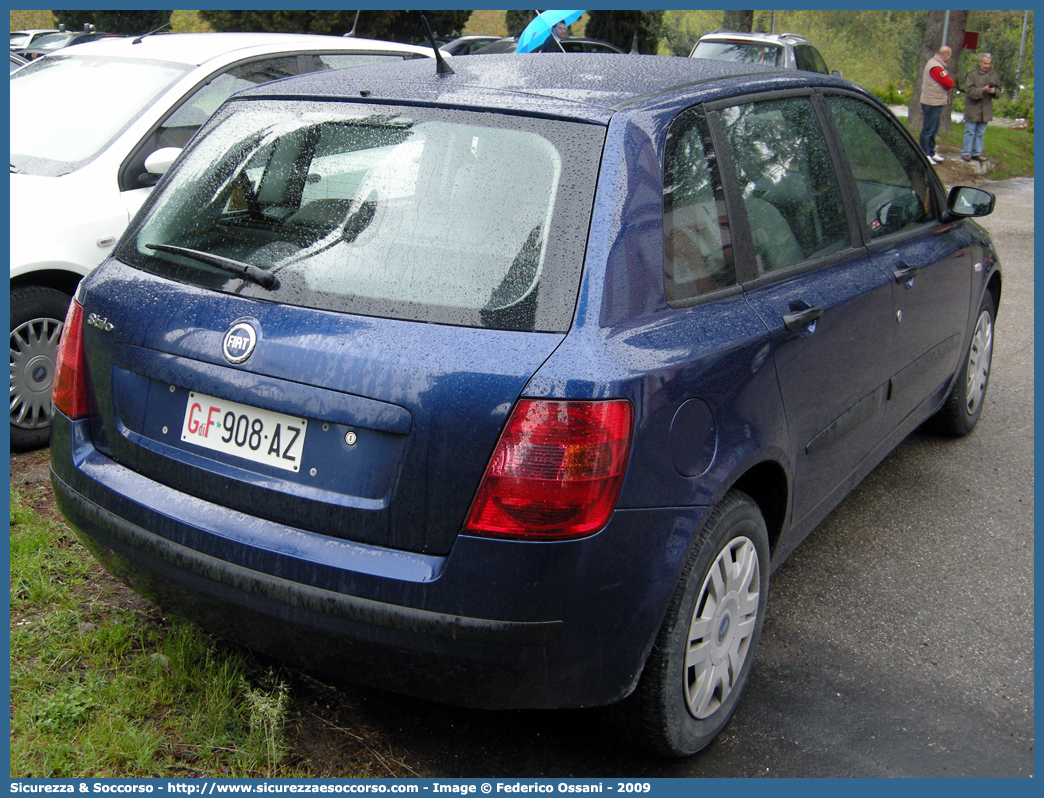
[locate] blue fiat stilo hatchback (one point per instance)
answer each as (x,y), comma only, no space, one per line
(510,386)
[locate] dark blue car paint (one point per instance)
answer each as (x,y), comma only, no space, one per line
(544,585)
(411,604)
(408,389)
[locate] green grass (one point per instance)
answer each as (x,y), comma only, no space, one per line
(99,690)
(1010,151)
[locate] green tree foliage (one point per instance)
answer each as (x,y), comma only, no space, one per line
(738,20)
(618,27)
(682,29)
(936,24)
(28,20)
(125,22)
(1000,34)
(399,26)
(871,48)
(517,19)
(187,22)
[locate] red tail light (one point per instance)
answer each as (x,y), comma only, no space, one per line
(556,472)
(69,391)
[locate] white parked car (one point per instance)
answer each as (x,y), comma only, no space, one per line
(783,50)
(81,168)
(22,39)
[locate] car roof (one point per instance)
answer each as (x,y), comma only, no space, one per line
(583,86)
(198,48)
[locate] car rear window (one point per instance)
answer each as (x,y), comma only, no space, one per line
(453,217)
(743,51)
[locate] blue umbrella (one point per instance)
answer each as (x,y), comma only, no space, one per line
(539,29)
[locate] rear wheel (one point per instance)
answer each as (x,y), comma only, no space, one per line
(703,654)
(37,316)
(959,415)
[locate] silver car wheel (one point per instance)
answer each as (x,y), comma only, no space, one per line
(34,350)
(722,624)
(979,356)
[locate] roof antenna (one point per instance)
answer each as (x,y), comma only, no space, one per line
(351,34)
(161,27)
(634,42)
(441,67)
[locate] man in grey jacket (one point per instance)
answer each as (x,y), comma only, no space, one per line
(980,87)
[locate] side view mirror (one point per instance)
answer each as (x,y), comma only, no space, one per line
(837,73)
(160,161)
(967,201)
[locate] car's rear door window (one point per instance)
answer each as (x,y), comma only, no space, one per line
(787,182)
(452,217)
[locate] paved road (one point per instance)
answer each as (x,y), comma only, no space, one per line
(899,638)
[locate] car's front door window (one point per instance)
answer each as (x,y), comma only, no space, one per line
(891,178)
(178,128)
(787,182)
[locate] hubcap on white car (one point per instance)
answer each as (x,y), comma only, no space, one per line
(34,349)
(723,621)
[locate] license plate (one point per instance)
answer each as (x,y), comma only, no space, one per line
(248,432)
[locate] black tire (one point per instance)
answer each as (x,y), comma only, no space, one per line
(661,713)
(960,413)
(37,316)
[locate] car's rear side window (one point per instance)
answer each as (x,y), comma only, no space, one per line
(697,238)
(809,59)
(421,214)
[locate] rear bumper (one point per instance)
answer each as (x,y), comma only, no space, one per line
(495,624)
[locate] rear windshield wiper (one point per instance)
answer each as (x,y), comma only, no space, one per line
(246,270)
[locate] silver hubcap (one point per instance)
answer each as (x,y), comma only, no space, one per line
(34,349)
(721,627)
(979,362)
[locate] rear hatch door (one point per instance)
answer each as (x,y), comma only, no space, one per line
(324,317)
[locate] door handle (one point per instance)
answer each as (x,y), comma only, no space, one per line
(905,275)
(801,318)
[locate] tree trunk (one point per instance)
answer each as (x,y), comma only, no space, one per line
(739,21)
(930,44)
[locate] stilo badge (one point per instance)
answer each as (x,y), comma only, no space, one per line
(239,342)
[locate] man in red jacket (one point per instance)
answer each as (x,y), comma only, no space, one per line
(936,84)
